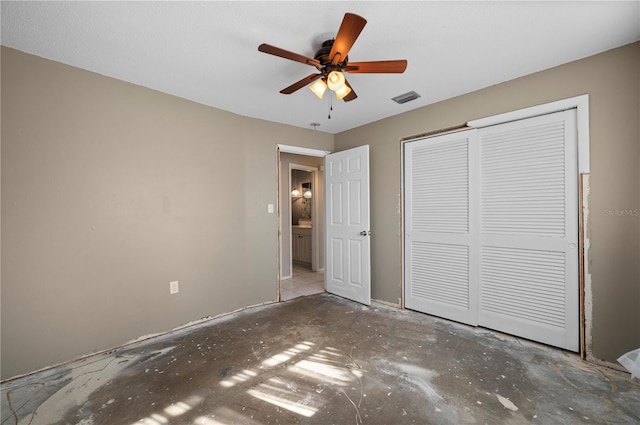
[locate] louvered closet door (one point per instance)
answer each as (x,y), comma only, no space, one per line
(529,230)
(440,241)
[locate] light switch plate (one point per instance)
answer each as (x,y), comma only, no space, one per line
(270,208)
(174,288)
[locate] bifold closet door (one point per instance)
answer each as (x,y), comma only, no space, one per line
(440,242)
(491,228)
(529,229)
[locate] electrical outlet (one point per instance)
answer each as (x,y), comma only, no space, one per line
(270,208)
(173,287)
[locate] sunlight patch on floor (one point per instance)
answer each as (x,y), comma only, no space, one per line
(225,416)
(238,378)
(321,366)
(283,403)
(324,372)
(171,411)
(272,361)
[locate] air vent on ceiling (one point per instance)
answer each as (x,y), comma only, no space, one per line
(406,97)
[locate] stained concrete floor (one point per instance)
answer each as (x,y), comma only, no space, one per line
(325,360)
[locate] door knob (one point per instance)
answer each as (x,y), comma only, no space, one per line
(365,233)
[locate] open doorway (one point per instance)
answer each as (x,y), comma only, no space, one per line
(301,224)
(302,216)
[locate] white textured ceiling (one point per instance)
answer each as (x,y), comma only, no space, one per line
(208,51)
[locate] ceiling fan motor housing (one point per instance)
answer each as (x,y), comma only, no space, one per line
(322,56)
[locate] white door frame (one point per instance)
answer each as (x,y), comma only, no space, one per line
(298,150)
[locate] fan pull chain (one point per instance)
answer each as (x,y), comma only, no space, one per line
(330,105)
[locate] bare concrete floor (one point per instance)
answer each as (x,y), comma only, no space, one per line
(324,360)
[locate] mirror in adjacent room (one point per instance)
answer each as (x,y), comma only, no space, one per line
(301,205)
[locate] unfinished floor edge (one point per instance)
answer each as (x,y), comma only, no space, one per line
(154,337)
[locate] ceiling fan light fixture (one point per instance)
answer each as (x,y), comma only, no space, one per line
(335,80)
(332,60)
(318,88)
(342,92)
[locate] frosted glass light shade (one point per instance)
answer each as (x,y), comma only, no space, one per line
(335,80)
(318,88)
(295,193)
(342,92)
(307,194)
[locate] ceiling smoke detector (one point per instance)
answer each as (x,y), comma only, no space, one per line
(406,97)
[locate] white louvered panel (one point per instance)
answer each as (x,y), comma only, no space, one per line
(438,199)
(440,273)
(491,228)
(528,229)
(440,187)
(523,180)
(524,284)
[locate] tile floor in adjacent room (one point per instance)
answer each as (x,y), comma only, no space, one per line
(303,281)
(323,360)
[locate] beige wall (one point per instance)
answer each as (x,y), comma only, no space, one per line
(612,80)
(109,192)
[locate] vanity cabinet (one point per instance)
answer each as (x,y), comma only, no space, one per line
(301,244)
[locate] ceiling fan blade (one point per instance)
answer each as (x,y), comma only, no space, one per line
(377,67)
(349,31)
(300,84)
(352,94)
(276,51)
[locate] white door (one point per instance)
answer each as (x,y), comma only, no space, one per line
(440,236)
(347,228)
(529,229)
(491,228)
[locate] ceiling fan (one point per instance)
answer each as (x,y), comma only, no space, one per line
(331,61)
